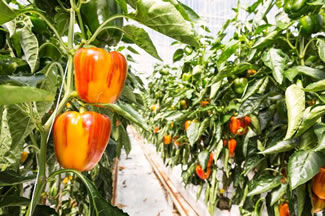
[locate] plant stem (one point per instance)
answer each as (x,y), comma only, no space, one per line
(102,26)
(81,25)
(41,178)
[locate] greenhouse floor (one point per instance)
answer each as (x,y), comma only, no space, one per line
(138,190)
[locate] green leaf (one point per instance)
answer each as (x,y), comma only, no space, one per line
(141,38)
(124,139)
(303,165)
(128,95)
(14,200)
(295,101)
(163,17)
(278,194)
(281,146)
(316,86)
(8,178)
(62,19)
(250,105)
(22,94)
(51,51)
(43,210)
(264,184)
(214,89)
(253,88)
(262,12)
(276,60)
(29,44)
(191,15)
(6,12)
(178,55)
(22,80)
(310,116)
(193,132)
(127,112)
(230,49)
(265,40)
(321,48)
(233,70)
(321,144)
(123,5)
(15,126)
(308,71)
(203,158)
(49,85)
(301,196)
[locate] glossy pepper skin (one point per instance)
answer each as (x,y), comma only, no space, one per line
(311,24)
(232,143)
(200,172)
(284,209)
(95,12)
(318,183)
(80,139)
(99,75)
(239,126)
(167,139)
(187,124)
(240,85)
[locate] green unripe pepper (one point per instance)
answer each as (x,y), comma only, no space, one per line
(188,50)
(186,76)
(296,8)
(311,23)
(95,12)
(39,25)
(240,85)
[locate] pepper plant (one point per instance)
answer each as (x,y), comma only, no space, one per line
(42,45)
(255,100)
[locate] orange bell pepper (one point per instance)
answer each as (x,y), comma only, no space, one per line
(99,75)
(80,139)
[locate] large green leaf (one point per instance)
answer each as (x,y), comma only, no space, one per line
(262,12)
(316,86)
(308,71)
(163,17)
(8,178)
(264,184)
(21,94)
(303,165)
(276,60)
(282,146)
(265,40)
(29,44)
(141,38)
(310,116)
(15,126)
(229,50)
(193,132)
(295,101)
(6,12)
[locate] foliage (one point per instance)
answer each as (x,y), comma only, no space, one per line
(282,150)
(36,85)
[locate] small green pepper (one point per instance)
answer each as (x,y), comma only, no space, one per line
(240,85)
(311,24)
(296,8)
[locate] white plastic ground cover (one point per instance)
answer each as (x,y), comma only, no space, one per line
(139,192)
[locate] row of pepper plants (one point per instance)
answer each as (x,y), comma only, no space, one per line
(67,95)
(243,115)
